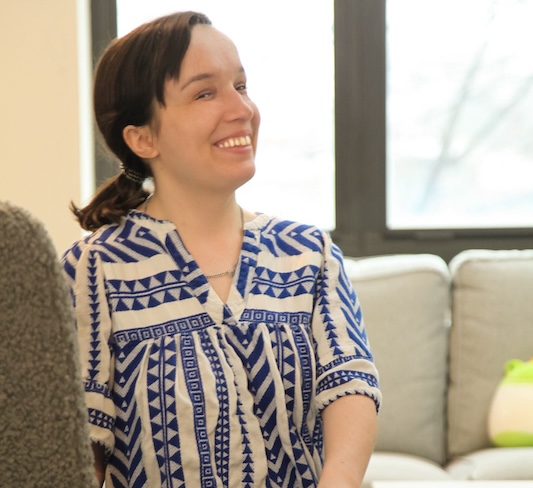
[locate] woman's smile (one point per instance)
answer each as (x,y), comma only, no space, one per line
(231,142)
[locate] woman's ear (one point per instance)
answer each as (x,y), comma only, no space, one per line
(141,141)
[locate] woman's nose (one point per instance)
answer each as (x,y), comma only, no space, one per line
(239,106)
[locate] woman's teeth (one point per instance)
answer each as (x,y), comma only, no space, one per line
(236,141)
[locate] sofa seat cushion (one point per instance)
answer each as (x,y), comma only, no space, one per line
(388,466)
(510,463)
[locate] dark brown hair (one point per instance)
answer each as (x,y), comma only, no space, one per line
(130,78)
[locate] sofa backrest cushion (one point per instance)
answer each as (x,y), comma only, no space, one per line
(405,301)
(492,323)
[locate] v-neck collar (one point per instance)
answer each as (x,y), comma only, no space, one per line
(227,313)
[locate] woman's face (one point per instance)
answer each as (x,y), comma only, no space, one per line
(206,134)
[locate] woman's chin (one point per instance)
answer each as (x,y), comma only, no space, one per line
(245,176)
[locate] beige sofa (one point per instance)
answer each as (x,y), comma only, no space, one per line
(441,336)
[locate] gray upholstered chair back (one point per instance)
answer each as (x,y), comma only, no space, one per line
(43,431)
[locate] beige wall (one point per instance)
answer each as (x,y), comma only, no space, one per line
(40,111)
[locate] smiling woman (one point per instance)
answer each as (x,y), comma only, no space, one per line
(220,347)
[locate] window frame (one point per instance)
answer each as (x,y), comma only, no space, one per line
(360,142)
(103,31)
(361,159)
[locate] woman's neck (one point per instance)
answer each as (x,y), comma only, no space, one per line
(211,228)
(198,216)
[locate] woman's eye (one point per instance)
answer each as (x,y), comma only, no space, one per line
(242,87)
(203,95)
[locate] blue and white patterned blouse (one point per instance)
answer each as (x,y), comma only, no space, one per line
(184,390)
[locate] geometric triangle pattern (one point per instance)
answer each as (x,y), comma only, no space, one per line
(125,463)
(282,237)
(344,376)
(215,395)
(148,292)
(286,467)
(161,381)
(93,297)
(222,431)
(285,284)
(249,344)
(287,351)
(324,309)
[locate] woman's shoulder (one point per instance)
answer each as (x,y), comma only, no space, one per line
(277,225)
(111,237)
(291,235)
(273,223)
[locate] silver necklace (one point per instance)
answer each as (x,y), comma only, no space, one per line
(229,272)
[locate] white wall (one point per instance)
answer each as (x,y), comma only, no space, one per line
(41,147)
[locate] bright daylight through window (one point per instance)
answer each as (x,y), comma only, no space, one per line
(459,105)
(291,79)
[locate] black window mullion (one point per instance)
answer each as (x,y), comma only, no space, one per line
(103,31)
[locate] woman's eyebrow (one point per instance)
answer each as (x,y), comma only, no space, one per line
(195,78)
(205,76)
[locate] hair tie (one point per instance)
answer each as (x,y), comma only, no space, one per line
(131,174)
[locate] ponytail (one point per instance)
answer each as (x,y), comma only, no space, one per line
(115,198)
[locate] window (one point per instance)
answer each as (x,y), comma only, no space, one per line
(369,108)
(459,104)
(369,151)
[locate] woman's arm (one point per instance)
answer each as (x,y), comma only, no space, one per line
(85,276)
(99,462)
(350,425)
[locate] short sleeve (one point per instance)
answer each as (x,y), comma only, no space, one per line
(344,361)
(84,271)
